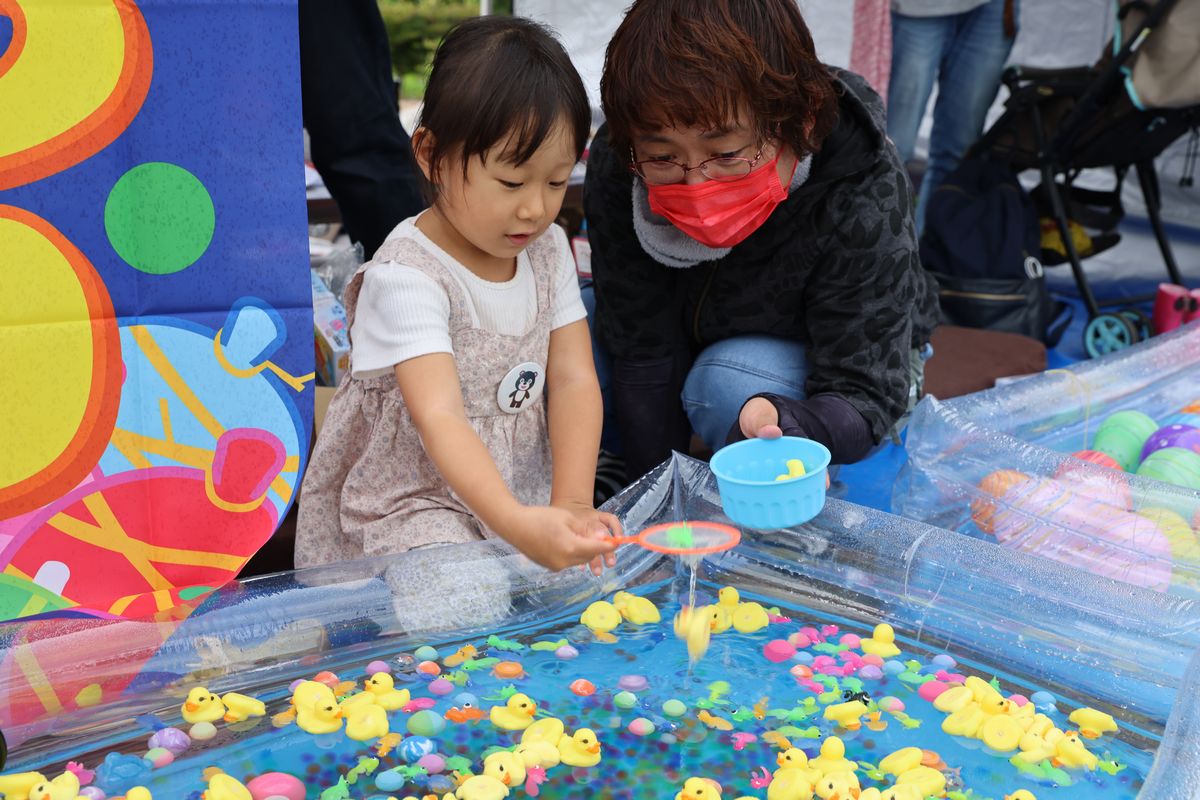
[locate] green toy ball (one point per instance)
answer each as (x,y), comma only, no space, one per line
(1173,465)
(1123,435)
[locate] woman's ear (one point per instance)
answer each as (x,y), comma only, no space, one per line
(422,145)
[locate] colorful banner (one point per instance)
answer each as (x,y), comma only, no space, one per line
(156,349)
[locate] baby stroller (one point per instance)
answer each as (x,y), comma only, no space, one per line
(1121,112)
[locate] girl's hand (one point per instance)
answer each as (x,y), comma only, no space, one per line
(600,525)
(557,538)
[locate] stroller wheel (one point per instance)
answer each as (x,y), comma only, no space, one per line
(1107,333)
(1141,322)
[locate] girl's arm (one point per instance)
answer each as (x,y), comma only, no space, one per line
(552,537)
(433,396)
(575,414)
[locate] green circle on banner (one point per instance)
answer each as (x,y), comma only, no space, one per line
(159,218)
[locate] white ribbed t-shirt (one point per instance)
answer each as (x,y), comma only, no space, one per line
(403,313)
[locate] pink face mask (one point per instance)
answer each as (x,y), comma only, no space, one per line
(721,213)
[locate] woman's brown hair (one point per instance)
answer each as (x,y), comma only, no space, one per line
(699,63)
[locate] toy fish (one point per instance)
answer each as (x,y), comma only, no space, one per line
(473,664)
(760,781)
(534,777)
(464,653)
(461,715)
(418,704)
(365,766)
(760,708)
(740,740)
(504,644)
(714,722)
(549,645)
(387,743)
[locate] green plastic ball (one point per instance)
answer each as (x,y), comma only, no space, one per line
(1123,435)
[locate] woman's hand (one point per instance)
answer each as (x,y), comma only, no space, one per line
(557,538)
(759,419)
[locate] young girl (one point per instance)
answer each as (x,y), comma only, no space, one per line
(464,310)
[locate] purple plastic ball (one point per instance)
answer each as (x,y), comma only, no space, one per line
(633,683)
(172,739)
(93,793)
(1177,435)
(378,666)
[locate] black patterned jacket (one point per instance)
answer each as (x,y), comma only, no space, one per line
(834,267)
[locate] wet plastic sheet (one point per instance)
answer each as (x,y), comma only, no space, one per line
(997,465)
(1088,638)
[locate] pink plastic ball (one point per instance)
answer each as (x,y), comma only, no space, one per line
(276,784)
(929,690)
(440,686)
(873,660)
(1018,700)
(850,640)
(433,763)
(159,756)
(778,650)
(799,640)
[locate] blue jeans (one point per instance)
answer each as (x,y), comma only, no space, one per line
(965,53)
(728,372)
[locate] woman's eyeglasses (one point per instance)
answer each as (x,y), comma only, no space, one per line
(659,171)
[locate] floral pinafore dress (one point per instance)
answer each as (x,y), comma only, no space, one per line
(370,488)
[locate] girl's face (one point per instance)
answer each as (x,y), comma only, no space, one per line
(691,146)
(492,215)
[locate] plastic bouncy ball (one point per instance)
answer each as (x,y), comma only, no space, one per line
(753,490)
(1123,435)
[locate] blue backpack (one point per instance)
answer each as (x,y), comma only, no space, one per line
(981,241)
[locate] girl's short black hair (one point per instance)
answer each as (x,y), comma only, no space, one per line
(501,80)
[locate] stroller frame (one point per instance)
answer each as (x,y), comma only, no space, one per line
(1063,108)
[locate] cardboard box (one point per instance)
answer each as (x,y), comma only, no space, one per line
(332,334)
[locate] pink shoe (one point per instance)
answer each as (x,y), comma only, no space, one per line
(1172,306)
(1194,314)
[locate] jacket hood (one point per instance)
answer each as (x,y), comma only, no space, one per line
(859,137)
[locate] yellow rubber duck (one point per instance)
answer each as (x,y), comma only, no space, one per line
(882,642)
(728,598)
(549,729)
(538,753)
(749,617)
(309,692)
(580,749)
(719,618)
(848,715)
(956,698)
(990,701)
(870,793)
(1021,794)
(1093,724)
(692,625)
(224,787)
(366,721)
(481,787)
(699,789)
(515,715)
(383,687)
(795,759)
(239,707)
(18,784)
(964,722)
(139,793)
(838,786)
(636,609)
(601,616)
(357,700)
(1001,732)
(901,761)
(928,781)
(1034,749)
(64,787)
(506,767)
(202,706)
(323,716)
(1070,751)
(832,758)
(790,784)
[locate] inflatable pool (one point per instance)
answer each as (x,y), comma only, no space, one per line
(1096,466)
(853,656)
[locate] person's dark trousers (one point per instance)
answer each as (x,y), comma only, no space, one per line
(358,144)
